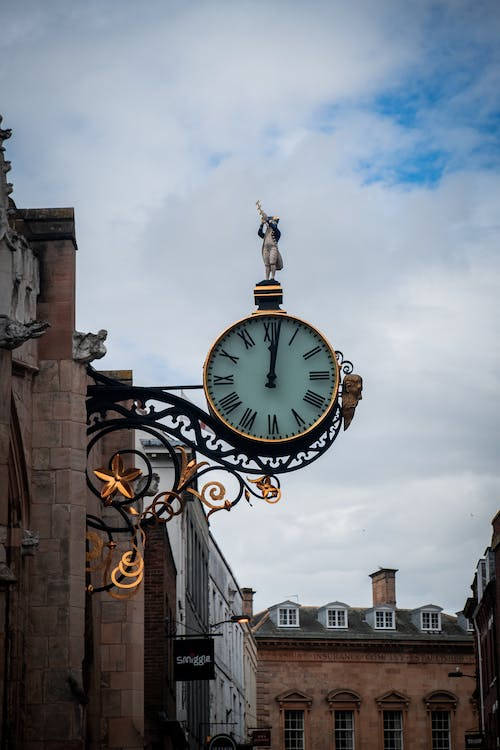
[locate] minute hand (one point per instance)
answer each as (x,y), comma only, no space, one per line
(273,348)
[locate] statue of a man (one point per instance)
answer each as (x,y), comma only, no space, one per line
(271,235)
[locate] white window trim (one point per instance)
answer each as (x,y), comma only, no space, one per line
(337,627)
(288,624)
(385,613)
(431,613)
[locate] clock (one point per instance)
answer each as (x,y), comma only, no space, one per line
(271,378)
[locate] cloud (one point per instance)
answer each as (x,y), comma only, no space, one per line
(372,129)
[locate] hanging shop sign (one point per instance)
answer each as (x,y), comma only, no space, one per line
(194,659)
(261,738)
(474,740)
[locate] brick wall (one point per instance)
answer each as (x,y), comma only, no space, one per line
(116,646)
(159,620)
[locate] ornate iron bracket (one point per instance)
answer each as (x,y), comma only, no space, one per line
(177,424)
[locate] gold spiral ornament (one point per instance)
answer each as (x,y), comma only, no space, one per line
(130,566)
(216,494)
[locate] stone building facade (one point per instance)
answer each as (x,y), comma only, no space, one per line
(483,611)
(42,476)
(227,691)
(72,663)
(337,677)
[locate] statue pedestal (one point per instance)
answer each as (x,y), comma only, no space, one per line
(268,295)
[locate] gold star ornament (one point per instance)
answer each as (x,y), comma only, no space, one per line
(117,480)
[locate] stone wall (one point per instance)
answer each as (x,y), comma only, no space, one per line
(115,637)
(303,676)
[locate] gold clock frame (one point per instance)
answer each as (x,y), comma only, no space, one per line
(269,441)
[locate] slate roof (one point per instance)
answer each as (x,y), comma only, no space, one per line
(311,629)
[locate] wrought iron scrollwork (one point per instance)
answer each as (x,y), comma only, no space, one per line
(125,491)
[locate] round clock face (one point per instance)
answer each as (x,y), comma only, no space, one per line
(271,377)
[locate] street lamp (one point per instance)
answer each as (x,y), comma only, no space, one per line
(234,618)
(458,673)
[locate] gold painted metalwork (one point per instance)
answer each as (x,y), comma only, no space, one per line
(188,469)
(117,480)
(216,494)
(127,573)
(270,493)
(352,388)
(130,566)
(269,441)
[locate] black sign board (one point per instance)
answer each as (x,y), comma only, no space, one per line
(222,742)
(261,738)
(194,659)
(474,740)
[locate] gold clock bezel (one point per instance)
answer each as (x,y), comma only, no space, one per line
(269,441)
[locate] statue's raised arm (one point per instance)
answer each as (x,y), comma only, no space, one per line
(271,235)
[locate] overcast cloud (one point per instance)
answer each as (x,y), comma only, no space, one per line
(372,129)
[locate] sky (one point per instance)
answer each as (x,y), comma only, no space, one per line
(373,130)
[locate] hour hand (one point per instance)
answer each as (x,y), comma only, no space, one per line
(273,348)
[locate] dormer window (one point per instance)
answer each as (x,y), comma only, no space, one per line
(384,619)
(288,617)
(430,621)
(336,618)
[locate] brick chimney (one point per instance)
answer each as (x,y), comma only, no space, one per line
(247,606)
(384,586)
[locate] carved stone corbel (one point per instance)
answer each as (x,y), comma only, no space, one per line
(13,333)
(89,346)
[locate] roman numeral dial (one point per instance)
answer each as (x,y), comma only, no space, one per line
(271,378)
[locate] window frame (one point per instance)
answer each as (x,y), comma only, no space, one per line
(294,700)
(442,701)
(295,610)
(352,728)
(430,614)
(337,611)
(385,613)
(393,701)
(434,713)
(300,711)
(399,729)
(344,699)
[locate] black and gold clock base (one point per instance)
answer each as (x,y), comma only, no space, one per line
(268,295)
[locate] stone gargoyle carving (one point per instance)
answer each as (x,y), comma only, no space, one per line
(13,333)
(89,346)
(352,388)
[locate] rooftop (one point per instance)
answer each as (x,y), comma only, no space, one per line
(311,629)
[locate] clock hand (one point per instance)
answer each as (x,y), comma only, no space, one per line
(273,348)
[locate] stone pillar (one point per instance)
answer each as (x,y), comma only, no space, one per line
(56,702)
